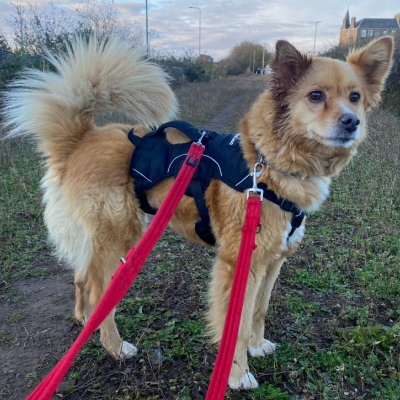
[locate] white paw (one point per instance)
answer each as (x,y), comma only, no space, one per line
(247,382)
(265,348)
(127,351)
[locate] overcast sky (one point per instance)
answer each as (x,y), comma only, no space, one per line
(227,23)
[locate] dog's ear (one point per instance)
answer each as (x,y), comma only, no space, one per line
(373,62)
(288,67)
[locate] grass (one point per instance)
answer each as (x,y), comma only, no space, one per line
(22,233)
(335,311)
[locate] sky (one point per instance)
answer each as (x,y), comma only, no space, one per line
(225,24)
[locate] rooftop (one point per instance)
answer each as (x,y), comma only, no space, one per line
(377,23)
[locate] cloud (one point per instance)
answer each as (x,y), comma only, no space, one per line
(225,24)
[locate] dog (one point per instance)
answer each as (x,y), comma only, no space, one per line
(304,129)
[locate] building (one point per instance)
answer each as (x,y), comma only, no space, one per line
(367,28)
(206,58)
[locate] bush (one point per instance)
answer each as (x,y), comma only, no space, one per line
(246,55)
(391,97)
(16,62)
(186,66)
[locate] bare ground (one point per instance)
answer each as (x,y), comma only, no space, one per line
(38,314)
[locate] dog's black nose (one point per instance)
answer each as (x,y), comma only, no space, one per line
(349,122)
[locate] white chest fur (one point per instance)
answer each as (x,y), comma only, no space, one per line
(297,236)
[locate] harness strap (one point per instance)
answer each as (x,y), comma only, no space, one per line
(138,141)
(202,227)
(286,205)
(188,129)
(140,194)
(296,222)
(143,202)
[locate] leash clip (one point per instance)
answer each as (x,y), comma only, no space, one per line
(202,134)
(257,171)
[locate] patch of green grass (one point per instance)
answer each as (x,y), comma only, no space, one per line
(359,315)
(30,376)
(365,358)
(22,233)
(7,339)
(329,281)
(75,376)
(94,350)
(178,338)
(268,392)
(15,318)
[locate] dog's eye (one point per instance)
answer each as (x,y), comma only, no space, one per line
(316,96)
(354,97)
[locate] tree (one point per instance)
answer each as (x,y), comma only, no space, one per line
(35,30)
(104,19)
(3,42)
(246,55)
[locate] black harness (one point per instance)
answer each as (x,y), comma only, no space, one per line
(155,159)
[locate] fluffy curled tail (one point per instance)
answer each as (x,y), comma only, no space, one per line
(93,76)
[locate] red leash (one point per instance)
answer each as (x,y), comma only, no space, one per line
(125,274)
(223,365)
(128,270)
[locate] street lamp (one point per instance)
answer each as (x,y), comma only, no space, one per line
(315,36)
(199,28)
(147,30)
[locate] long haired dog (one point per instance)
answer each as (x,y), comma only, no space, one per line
(305,128)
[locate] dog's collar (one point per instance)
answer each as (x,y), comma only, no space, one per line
(263,160)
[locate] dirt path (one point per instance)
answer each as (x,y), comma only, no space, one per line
(37,313)
(228,118)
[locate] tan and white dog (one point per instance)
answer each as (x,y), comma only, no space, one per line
(307,127)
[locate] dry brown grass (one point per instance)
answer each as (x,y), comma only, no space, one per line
(200,102)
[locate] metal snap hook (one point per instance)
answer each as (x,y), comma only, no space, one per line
(257,171)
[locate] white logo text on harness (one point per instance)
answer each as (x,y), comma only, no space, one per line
(233,140)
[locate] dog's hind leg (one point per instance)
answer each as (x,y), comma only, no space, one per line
(90,286)
(220,289)
(258,345)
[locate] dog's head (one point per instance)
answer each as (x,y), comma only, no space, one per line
(323,101)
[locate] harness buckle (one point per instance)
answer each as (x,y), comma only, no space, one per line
(257,171)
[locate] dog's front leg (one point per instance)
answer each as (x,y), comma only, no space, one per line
(258,345)
(220,289)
